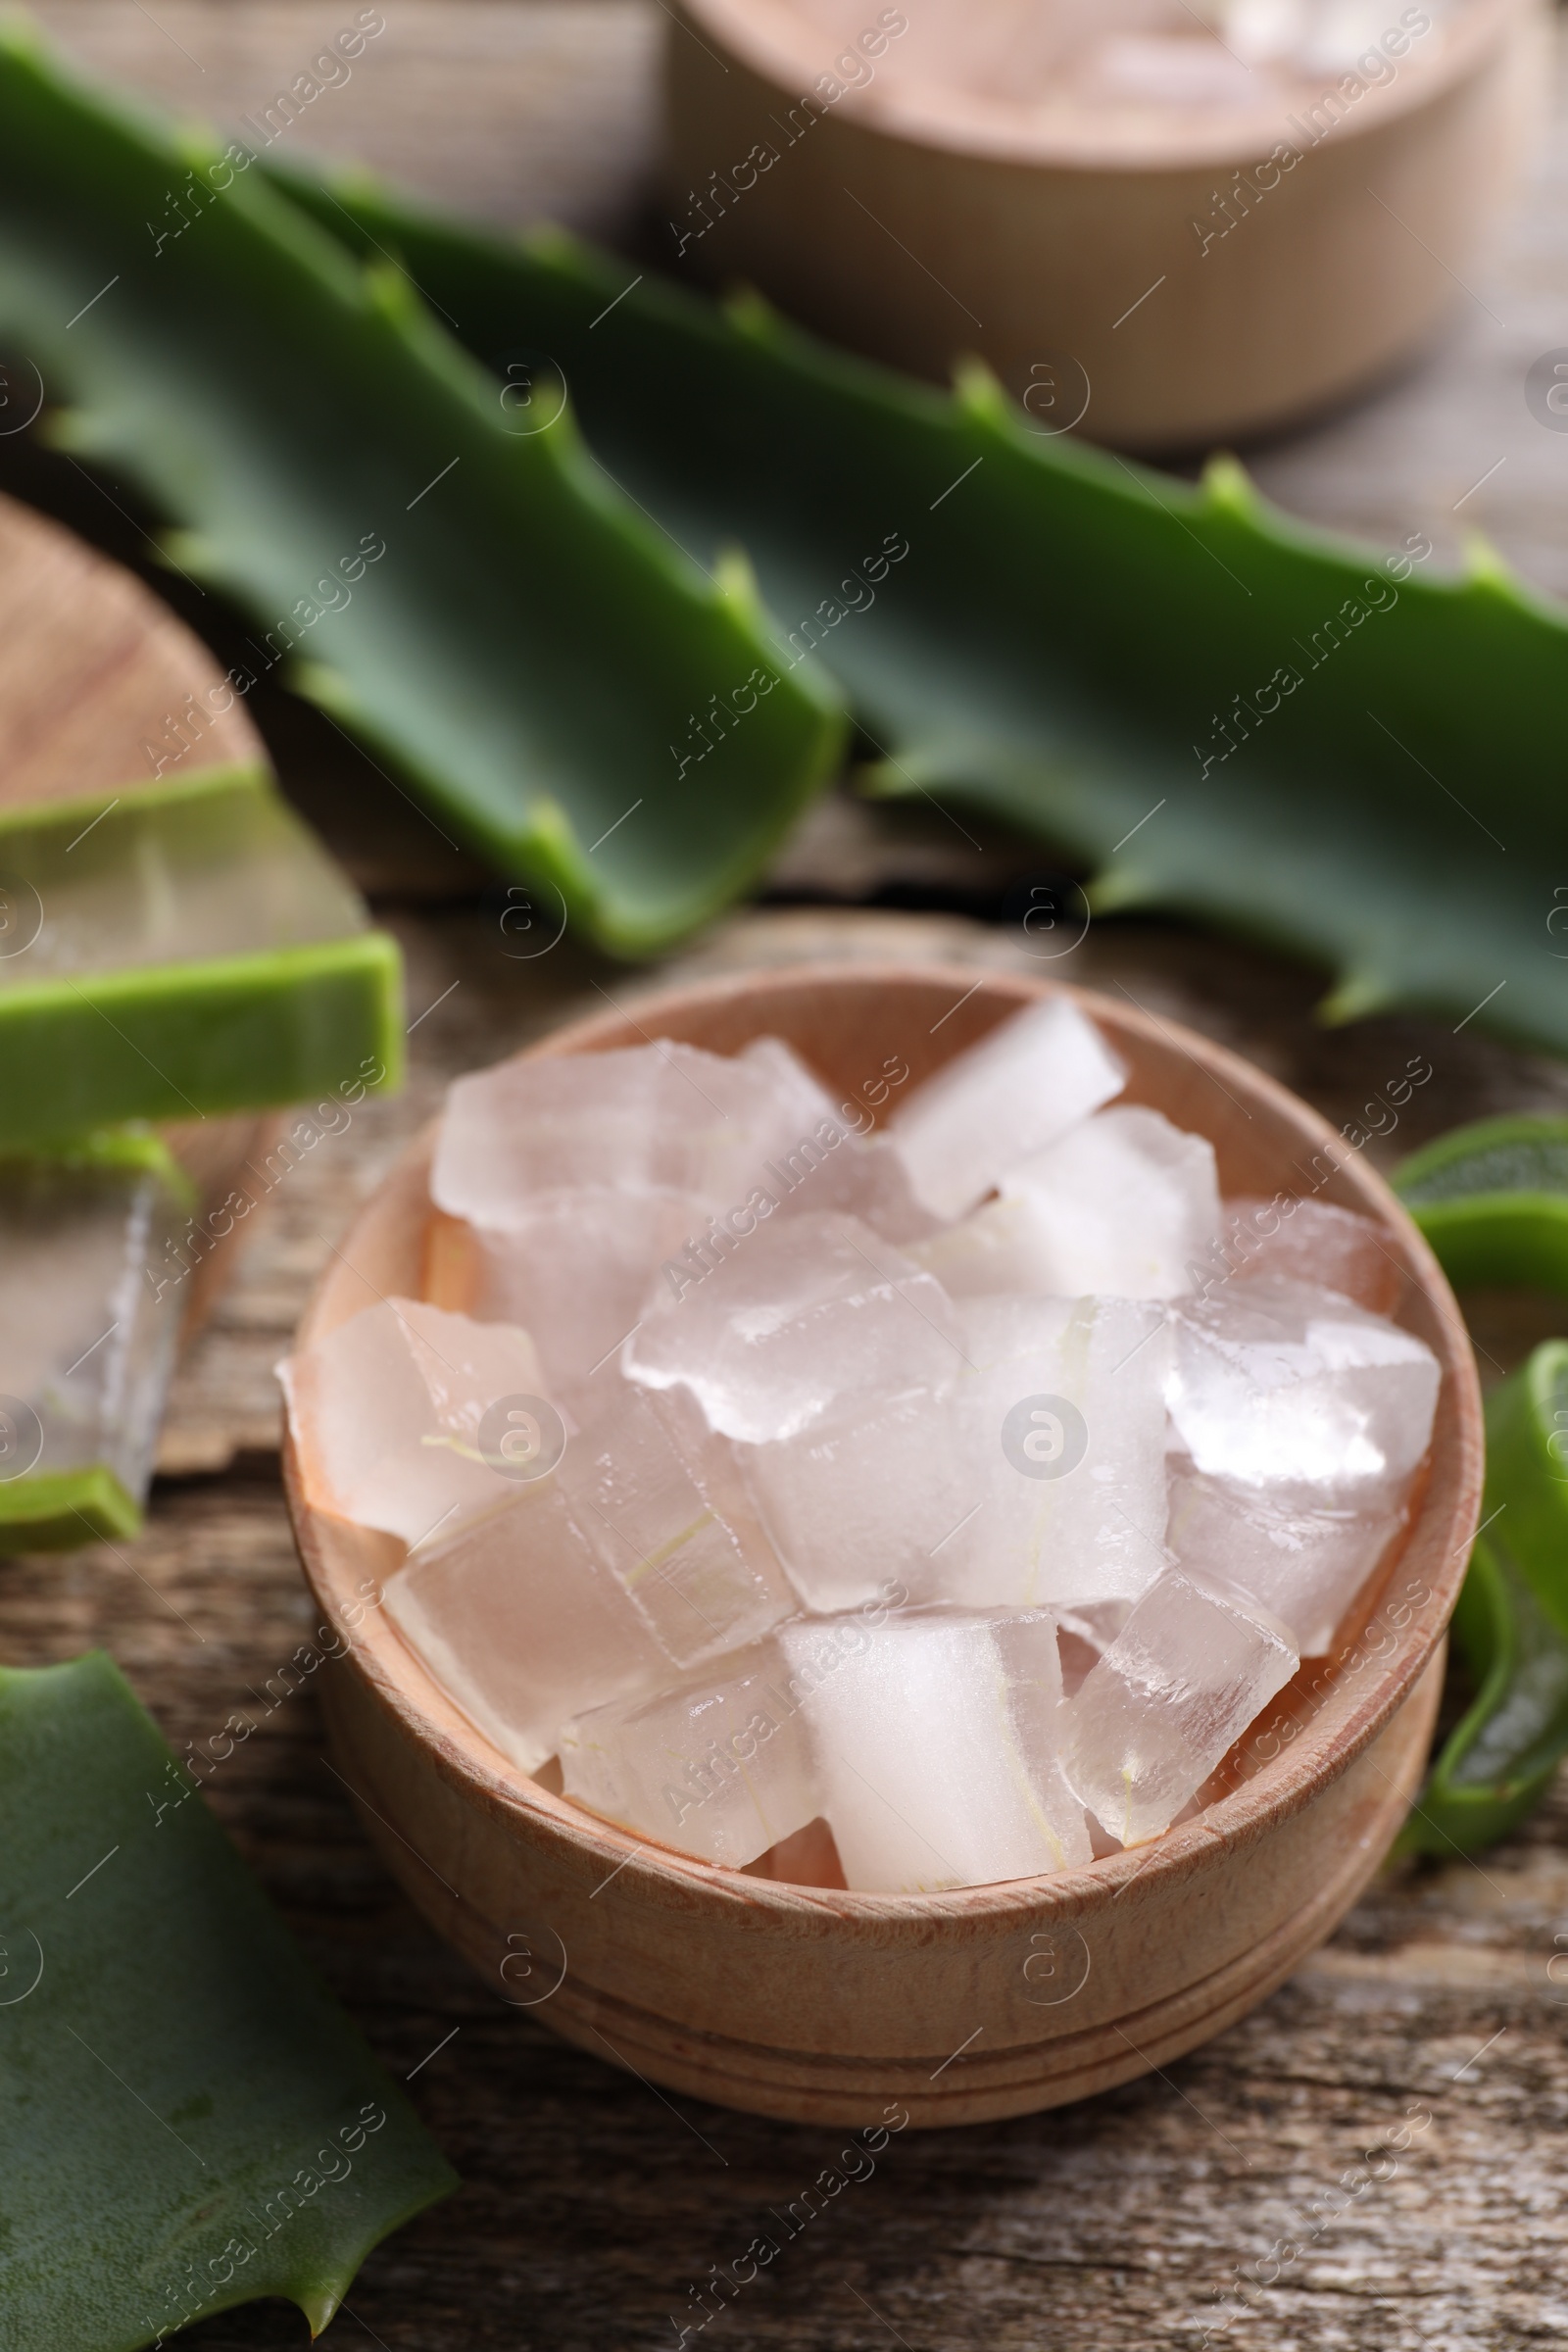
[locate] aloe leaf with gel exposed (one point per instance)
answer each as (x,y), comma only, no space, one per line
(1218,711)
(189,2120)
(566,691)
(180,949)
(88,1334)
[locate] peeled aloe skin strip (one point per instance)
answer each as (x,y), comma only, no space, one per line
(182,948)
(569,691)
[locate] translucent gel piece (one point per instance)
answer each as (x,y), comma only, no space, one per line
(644,1484)
(1001,1102)
(1191,1667)
(87,1330)
(1123,1205)
(574,1269)
(1302,1560)
(882,1491)
(523,1626)
(1064,1410)
(1313,1241)
(935,1737)
(1276,1381)
(386,1409)
(717,1764)
(860,1178)
(806,1312)
(661,1117)
(1129,1205)
(170,877)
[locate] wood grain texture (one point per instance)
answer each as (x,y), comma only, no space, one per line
(590,2209)
(1144,2218)
(92,666)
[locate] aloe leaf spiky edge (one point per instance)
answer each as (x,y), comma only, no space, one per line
(189,2117)
(1095,651)
(563,685)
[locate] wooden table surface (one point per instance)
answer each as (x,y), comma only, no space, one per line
(1232,2201)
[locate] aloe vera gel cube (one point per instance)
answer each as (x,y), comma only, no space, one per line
(718,1764)
(950,1502)
(412,1420)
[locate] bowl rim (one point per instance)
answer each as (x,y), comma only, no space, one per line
(1334,1733)
(985,132)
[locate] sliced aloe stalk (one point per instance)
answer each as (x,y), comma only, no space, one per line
(1500,1759)
(88,1324)
(1511,1623)
(1492,1201)
(442,568)
(189,2120)
(183,948)
(1220,712)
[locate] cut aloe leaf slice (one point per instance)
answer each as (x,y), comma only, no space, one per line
(1492,1201)
(182,948)
(1511,1623)
(88,1323)
(189,2120)
(1503,1756)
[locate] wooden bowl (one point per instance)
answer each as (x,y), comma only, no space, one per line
(826,2007)
(1159,283)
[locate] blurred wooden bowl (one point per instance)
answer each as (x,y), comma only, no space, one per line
(1155,279)
(825,2006)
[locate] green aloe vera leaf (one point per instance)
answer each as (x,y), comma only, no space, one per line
(88,1336)
(1511,1623)
(63,1511)
(184,948)
(469,594)
(189,2120)
(1066,637)
(1499,1760)
(1492,1201)
(1527,1473)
